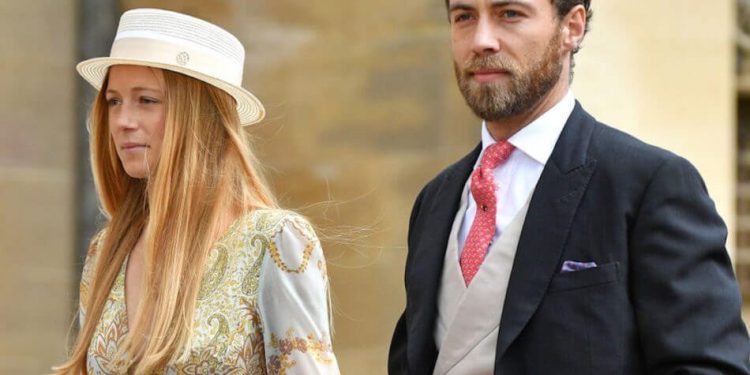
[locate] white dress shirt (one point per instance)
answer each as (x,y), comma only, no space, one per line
(517,177)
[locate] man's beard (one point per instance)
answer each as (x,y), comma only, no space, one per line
(498,101)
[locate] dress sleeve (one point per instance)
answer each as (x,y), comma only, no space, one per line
(294,303)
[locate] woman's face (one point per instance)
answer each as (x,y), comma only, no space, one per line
(137,110)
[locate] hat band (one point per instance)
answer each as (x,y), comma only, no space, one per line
(181,58)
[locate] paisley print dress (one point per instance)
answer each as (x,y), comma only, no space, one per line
(262,307)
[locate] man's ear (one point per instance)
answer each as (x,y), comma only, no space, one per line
(573,27)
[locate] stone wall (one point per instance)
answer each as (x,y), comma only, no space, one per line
(37,150)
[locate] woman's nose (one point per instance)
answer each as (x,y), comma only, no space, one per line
(124,117)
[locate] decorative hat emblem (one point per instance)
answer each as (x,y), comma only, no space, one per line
(183,58)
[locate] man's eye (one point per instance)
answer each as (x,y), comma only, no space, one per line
(461,17)
(511,14)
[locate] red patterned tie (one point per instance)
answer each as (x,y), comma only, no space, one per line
(483,228)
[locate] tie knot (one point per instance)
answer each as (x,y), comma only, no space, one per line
(496,153)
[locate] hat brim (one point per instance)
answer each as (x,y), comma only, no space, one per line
(249,108)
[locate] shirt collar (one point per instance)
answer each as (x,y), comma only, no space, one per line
(538,139)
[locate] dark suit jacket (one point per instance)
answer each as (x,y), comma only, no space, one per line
(663,299)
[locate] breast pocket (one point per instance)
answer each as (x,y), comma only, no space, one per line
(603,274)
(585,319)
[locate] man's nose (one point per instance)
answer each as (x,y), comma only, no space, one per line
(485,39)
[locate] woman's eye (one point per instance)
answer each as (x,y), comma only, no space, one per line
(148,100)
(113,101)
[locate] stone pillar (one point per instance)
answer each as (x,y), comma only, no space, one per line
(37,157)
(97,26)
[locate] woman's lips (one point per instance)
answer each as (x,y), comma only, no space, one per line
(133,146)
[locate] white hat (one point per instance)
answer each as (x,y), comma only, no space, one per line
(180,43)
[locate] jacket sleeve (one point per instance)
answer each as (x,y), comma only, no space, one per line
(397,361)
(684,292)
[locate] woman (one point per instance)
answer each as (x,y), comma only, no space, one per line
(196,270)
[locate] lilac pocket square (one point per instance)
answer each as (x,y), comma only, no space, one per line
(570,266)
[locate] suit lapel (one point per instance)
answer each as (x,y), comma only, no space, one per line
(551,210)
(427,254)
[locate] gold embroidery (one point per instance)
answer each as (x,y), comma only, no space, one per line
(284,267)
(279,363)
(304,228)
(322,268)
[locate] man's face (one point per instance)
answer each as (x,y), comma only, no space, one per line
(506,53)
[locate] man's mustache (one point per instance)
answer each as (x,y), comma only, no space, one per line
(489,62)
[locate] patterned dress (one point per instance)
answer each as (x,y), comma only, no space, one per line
(262,306)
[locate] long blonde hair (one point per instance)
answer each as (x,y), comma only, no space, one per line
(205,166)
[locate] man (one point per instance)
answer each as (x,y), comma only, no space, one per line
(559,245)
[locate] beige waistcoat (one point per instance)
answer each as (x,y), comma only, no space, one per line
(469,318)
